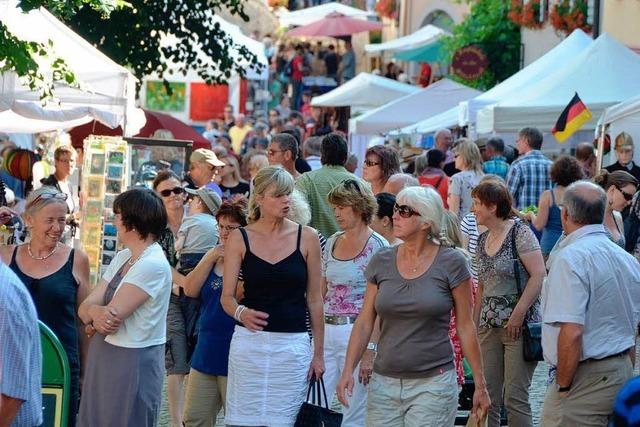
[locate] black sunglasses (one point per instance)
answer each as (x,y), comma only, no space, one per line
(174,190)
(404,211)
(628,197)
(352,183)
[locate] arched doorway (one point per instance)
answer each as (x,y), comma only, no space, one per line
(440,19)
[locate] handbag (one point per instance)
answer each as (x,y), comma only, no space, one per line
(312,413)
(531,330)
(474,421)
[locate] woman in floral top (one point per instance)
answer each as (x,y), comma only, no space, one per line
(344,261)
(499,311)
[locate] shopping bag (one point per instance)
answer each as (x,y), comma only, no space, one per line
(312,413)
(474,421)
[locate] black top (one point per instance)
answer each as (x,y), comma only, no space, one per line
(277,289)
(635,170)
(331,62)
(55,298)
(241,188)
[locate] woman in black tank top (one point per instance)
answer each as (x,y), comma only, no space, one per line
(270,358)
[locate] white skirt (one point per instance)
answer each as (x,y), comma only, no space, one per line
(267,380)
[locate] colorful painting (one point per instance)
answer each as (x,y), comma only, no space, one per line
(95,185)
(115,158)
(158,99)
(94,210)
(97,164)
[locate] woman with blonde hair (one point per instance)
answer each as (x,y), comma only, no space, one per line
(412,288)
(231,183)
(270,358)
(469,161)
(344,261)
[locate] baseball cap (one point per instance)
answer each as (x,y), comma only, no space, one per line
(207,156)
(208,196)
(481,142)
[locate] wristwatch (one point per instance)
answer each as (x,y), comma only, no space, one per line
(563,389)
(372,346)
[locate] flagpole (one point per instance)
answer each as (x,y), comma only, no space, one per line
(600,151)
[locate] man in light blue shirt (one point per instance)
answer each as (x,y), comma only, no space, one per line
(20,355)
(591,307)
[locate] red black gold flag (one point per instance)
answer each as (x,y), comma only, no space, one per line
(574,116)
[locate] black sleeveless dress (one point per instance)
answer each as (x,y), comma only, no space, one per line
(55,298)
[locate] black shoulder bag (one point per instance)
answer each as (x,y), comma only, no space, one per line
(531,331)
(312,413)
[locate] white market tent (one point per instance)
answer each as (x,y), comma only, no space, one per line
(432,100)
(603,74)
(107,93)
(312,14)
(465,113)
(422,37)
(622,117)
(364,92)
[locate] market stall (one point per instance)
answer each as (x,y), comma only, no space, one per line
(622,117)
(603,74)
(107,91)
(312,14)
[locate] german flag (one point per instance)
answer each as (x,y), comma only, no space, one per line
(574,116)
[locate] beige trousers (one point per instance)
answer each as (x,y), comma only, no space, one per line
(204,397)
(507,374)
(590,401)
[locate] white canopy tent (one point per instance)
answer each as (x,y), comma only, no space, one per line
(312,14)
(404,111)
(465,112)
(421,37)
(603,74)
(364,92)
(622,117)
(107,93)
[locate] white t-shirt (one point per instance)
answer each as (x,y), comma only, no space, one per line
(146,326)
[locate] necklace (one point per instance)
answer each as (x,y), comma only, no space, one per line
(55,248)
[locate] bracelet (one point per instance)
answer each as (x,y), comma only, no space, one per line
(239,310)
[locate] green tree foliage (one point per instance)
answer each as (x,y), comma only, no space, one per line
(488,27)
(130,33)
(132,36)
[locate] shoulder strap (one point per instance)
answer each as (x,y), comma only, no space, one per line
(245,238)
(14,254)
(516,258)
(299,236)
(553,197)
(71,256)
(437,186)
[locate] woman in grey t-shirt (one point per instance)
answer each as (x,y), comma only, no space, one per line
(412,288)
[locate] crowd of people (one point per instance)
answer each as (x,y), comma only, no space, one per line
(272,263)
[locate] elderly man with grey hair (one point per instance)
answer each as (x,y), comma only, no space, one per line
(311,152)
(443,142)
(590,304)
(398,181)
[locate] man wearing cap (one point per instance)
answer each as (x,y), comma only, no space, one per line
(203,166)
(624,153)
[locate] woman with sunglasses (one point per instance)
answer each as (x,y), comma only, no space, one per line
(344,260)
(56,276)
(620,186)
(173,195)
(206,390)
(231,183)
(380,163)
(469,161)
(412,288)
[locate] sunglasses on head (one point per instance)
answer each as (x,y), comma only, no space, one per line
(174,190)
(47,196)
(628,197)
(404,211)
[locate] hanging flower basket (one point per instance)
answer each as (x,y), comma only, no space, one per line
(387,9)
(567,15)
(526,14)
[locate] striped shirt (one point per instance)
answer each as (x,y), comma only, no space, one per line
(20,354)
(315,186)
(528,177)
(469,228)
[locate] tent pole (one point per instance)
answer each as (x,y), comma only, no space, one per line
(600,151)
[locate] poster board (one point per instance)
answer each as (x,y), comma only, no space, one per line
(104,176)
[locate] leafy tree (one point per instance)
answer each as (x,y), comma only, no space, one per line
(130,34)
(488,27)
